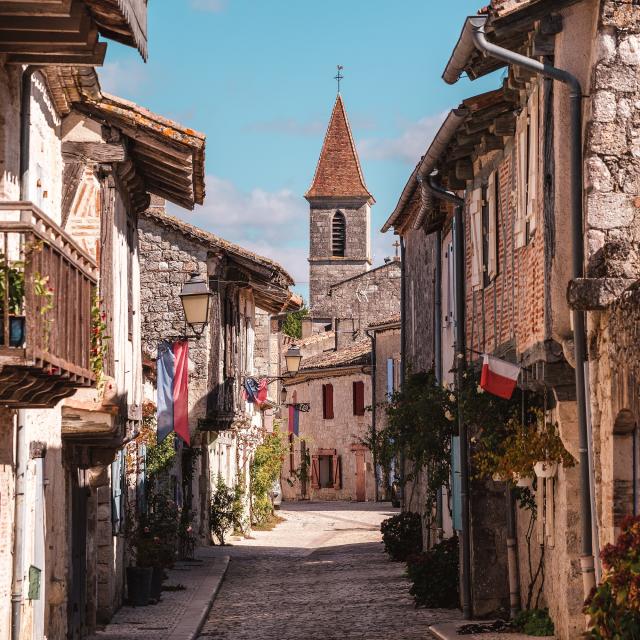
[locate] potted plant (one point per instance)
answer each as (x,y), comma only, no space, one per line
(549,449)
(14,275)
(162,524)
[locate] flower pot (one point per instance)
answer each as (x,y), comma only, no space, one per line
(157,577)
(16,331)
(524,482)
(498,477)
(546,469)
(139,585)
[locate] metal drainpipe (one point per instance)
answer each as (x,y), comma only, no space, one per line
(460,353)
(403,349)
(437,329)
(374,413)
(579,331)
(20,470)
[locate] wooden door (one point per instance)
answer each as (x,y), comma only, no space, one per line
(77,602)
(361,495)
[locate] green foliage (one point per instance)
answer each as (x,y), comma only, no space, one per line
(15,275)
(614,607)
(434,575)
(155,534)
(99,339)
(534,622)
(265,470)
(292,326)
(421,421)
(222,510)
(521,446)
(402,535)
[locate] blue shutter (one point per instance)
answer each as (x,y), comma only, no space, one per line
(389,377)
(117,468)
(456,484)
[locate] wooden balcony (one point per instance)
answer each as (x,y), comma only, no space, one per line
(47,283)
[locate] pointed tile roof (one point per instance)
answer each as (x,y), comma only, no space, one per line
(338,172)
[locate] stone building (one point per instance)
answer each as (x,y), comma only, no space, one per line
(507,155)
(77,167)
(236,344)
(328,458)
(342,288)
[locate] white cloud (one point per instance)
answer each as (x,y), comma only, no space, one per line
(214,6)
(270,223)
(409,146)
(122,79)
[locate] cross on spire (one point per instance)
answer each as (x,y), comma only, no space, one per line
(339,76)
(396,244)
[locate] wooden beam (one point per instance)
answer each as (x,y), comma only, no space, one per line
(505,125)
(36,8)
(93,58)
(464,169)
(101,152)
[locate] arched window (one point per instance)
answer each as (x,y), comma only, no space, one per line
(338,234)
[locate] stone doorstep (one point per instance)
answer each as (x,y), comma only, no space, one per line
(449,631)
(197,609)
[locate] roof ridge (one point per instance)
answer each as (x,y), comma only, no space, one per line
(328,180)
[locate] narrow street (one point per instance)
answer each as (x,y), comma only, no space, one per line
(320,574)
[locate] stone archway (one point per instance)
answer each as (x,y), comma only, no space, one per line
(625,466)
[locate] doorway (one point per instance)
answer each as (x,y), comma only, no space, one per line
(361,471)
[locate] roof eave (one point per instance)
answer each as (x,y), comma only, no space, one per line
(428,162)
(461,55)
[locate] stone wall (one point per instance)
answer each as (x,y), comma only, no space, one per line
(166,259)
(341,433)
(325,269)
(366,299)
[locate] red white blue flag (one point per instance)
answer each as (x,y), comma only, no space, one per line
(499,377)
(173,394)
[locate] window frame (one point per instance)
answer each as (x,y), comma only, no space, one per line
(338,235)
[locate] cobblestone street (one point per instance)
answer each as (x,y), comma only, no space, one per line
(321,574)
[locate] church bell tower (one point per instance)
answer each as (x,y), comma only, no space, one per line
(340,216)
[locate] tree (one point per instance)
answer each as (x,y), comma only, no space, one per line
(292,326)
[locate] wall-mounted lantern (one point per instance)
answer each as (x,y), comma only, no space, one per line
(196,300)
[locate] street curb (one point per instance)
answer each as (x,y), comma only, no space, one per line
(199,607)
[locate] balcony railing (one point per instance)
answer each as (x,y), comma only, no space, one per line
(47,284)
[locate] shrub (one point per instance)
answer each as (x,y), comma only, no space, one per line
(534,622)
(614,607)
(265,471)
(402,535)
(222,510)
(434,574)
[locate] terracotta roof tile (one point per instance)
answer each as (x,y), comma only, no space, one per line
(390,322)
(338,172)
(358,353)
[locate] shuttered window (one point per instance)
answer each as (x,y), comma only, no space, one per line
(338,234)
(390,378)
(522,137)
(532,168)
(326,470)
(358,398)
(131,237)
(327,401)
(490,230)
(475,216)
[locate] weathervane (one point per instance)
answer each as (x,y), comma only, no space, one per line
(339,76)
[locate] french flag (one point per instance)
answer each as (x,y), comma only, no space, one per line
(499,377)
(173,395)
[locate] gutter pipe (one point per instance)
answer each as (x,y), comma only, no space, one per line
(374,413)
(403,351)
(19,516)
(477,26)
(461,363)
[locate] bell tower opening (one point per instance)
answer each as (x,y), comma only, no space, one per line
(338,234)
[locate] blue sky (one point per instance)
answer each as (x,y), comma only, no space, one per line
(257,77)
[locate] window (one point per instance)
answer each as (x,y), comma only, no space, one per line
(327,401)
(358,398)
(338,234)
(131,239)
(326,472)
(390,378)
(490,230)
(475,231)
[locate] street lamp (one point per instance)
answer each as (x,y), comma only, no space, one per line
(283,395)
(293,358)
(196,297)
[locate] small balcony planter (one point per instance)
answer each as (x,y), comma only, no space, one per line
(522,481)
(16,331)
(546,468)
(139,585)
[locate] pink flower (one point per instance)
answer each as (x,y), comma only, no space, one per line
(189,529)
(146,529)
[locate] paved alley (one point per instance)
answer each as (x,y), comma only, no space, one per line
(320,574)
